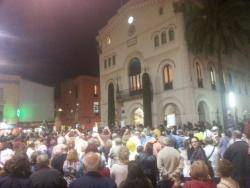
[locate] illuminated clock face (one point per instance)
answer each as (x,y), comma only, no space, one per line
(131,30)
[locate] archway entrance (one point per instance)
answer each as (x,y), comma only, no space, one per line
(203,112)
(137,116)
(172,115)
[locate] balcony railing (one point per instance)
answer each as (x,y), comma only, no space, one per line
(127,94)
(213,85)
(168,86)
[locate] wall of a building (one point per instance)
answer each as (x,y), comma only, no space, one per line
(36,102)
(77,98)
(185,93)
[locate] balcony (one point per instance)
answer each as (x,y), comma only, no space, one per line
(127,95)
(213,86)
(168,86)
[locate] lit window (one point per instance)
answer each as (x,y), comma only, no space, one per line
(163,37)
(96,107)
(171,34)
(95,90)
(168,77)
(212,77)
(199,75)
(113,60)
(156,41)
(70,92)
(108,39)
(130,19)
(135,75)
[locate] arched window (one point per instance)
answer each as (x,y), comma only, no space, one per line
(212,77)
(230,81)
(199,75)
(156,41)
(168,77)
(171,34)
(163,37)
(135,75)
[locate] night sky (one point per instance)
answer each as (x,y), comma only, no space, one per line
(51,40)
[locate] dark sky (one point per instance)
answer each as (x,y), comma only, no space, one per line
(50,40)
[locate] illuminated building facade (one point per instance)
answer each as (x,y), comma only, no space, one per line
(78,101)
(148,36)
(23,101)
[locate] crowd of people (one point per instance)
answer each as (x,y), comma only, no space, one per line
(190,157)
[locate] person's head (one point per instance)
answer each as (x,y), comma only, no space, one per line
(225,168)
(237,134)
(18,166)
(123,154)
(92,161)
(167,141)
(71,144)
(91,148)
(228,133)
(42,160)
(195,142)
(149,148)
(199,171)
(134,171)
(118,141)
(72,155)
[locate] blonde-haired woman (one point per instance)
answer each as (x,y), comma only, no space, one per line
(199,173)
(71,166)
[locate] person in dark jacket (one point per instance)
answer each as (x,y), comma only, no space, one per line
(46,177)
(17,172)
(135,177)
(237,154)
(92,178)
(197,153)
(58,160)
(148,163)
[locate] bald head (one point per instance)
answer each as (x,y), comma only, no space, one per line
(92,161)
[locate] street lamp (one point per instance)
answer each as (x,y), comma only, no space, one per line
(130,20)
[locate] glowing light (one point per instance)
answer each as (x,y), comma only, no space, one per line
(231,99)
(130,19)
(60,110)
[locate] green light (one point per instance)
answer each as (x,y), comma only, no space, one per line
(9,113)
(18,112)
(25,113)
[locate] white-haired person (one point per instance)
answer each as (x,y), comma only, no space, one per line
(92,178)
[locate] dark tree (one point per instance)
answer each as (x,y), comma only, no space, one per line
(147,99)
(111,106)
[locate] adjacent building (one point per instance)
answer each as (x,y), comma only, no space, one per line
(25,102)
(148,36)
(78,101)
